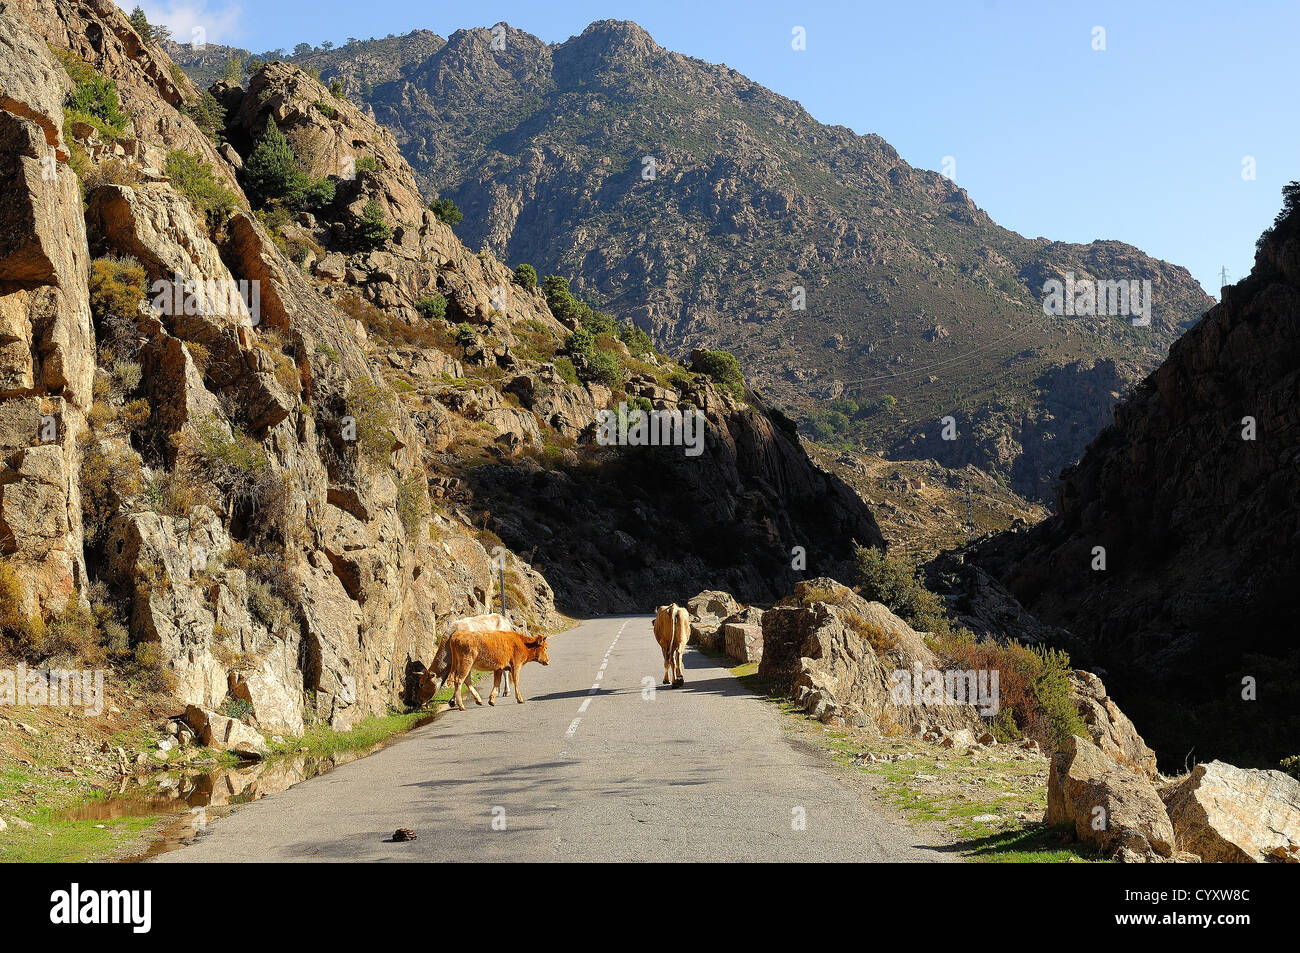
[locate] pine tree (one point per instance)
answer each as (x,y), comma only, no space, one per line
(140,22)
(271,169)
(148,32)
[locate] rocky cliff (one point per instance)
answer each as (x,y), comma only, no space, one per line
(1172,554)
(283,499)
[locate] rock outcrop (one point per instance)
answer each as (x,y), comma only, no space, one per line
(1109,728)
(46,338)
(243,538)
(1233,815)
(845,660)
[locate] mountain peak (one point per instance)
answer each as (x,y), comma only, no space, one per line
(617,36)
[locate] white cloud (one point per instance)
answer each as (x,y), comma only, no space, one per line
(193,20)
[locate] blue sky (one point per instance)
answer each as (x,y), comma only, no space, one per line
(1143,141)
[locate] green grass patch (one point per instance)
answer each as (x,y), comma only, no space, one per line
(43,801)
(1031,845)
(322,740)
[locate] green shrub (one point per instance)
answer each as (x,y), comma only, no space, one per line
(580,342)
(192,179)
(433,309)
(318,195)
(410,503)
(637,341)
(328,111)
(372,230)
(597,322)
(149,669)
(603,368)
(445,210)
(208,115)
(1054,695)
(23,631)
(71,632)
(237,708)
(559,299)
(265,606)
(1034,694)
(233,462)
(94,98)
(681,380)
(465,334)
(1291,766)
(526,277)
(894,583)
(368,406)
(110,475)
(724,370)
(367,164)
(564,367)
(118,286)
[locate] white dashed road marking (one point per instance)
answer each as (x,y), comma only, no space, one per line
(573,725)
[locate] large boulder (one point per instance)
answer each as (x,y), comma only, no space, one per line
(744,642)
(845,660)
(707,612)
(1110,729)
(1111,808)
(270,689)
(711,606)
(217,731)
(741,633)
(1236,815)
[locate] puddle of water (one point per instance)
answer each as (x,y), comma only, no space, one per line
(192,798)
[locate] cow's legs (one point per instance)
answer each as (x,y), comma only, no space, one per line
(469,683)
(505,677)
(496,682)
(519,689)
(680,679)
(668,666)
(457,681)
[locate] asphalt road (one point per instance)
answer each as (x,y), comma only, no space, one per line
(596,766)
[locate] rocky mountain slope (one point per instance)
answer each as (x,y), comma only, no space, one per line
(281,502)
(923,508)
(1193,497)
(691,199)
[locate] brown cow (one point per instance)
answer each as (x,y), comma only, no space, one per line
(672,628)
(493,652)
(491,622)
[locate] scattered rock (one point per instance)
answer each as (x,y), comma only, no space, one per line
(960,740)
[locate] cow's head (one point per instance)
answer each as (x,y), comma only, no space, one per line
(537,649)
(426,687)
